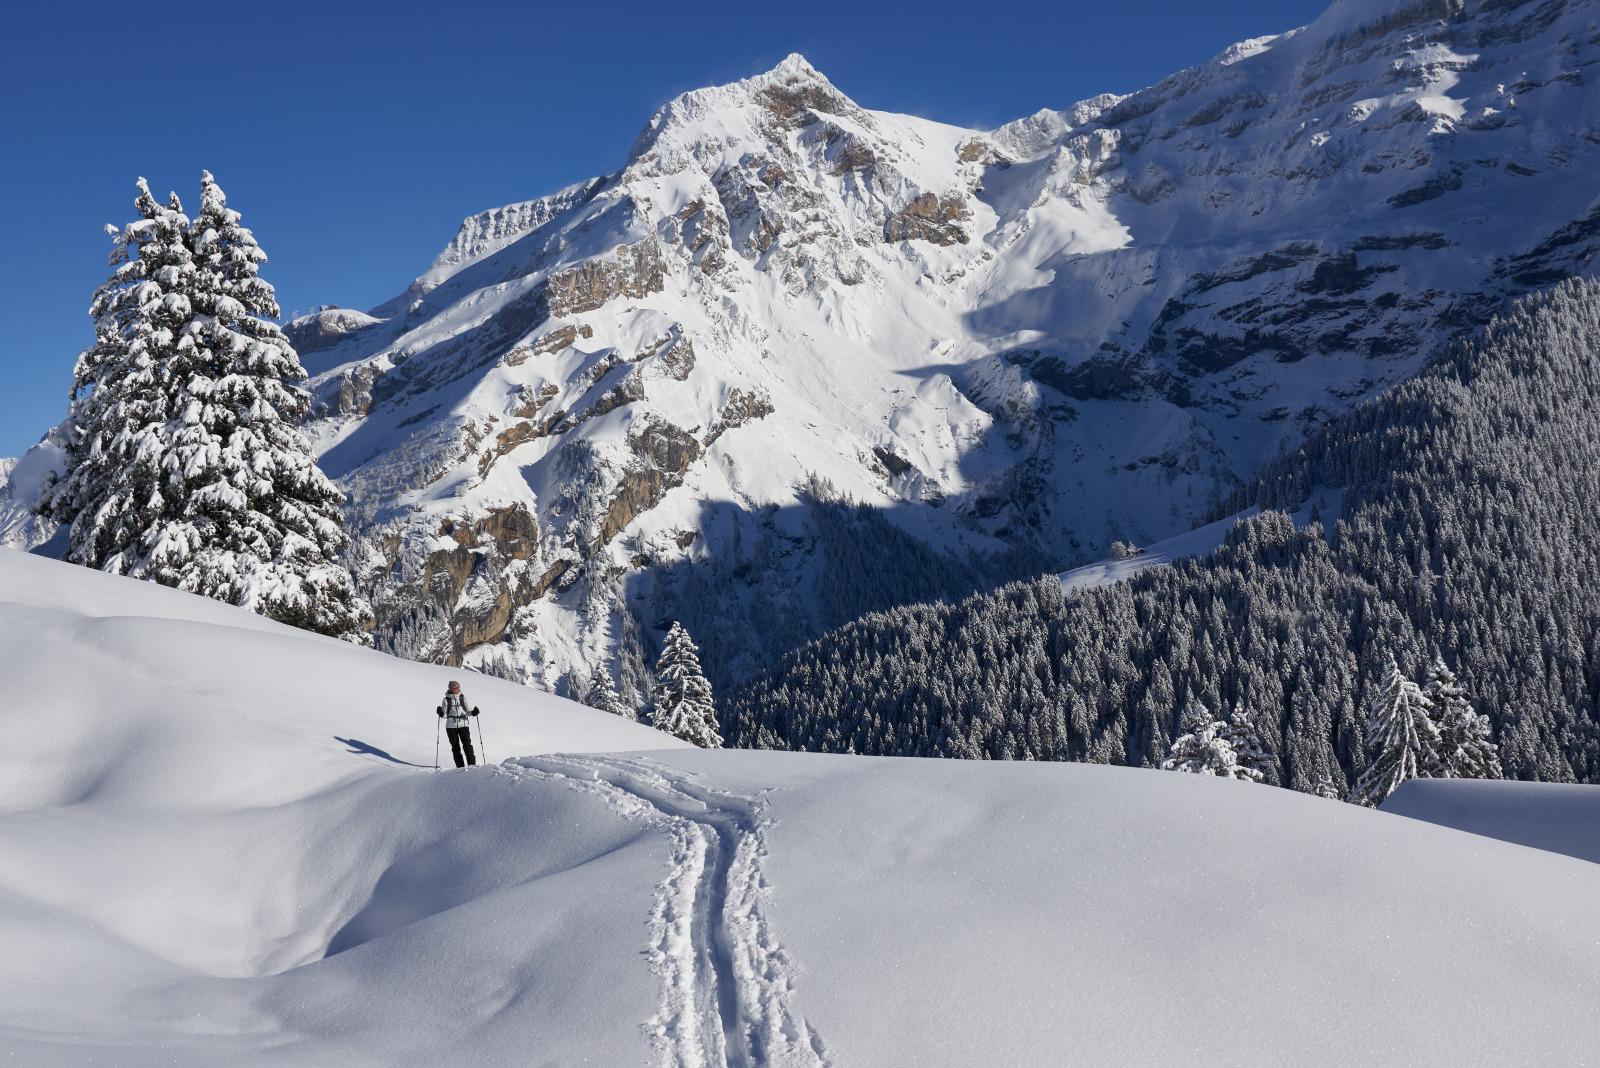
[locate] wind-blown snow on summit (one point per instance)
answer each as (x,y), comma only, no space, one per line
(643,397)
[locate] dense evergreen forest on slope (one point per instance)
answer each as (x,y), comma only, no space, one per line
(1468,529)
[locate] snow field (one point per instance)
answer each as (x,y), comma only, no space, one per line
(213,850)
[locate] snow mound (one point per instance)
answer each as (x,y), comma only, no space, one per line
(1558,817)
(221,842)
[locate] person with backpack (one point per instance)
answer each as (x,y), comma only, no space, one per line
(458,725)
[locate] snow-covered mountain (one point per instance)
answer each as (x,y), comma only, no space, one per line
(20,528)
(222,842)
(631,400)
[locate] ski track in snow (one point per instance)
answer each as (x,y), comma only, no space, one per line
(727,983)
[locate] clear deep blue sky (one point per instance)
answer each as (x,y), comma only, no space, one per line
(355,137)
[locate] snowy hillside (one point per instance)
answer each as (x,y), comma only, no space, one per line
(254,795)
(608,407)
(214,848)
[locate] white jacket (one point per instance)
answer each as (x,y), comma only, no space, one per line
(456,710)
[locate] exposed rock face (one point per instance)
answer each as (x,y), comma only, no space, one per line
(632,271)
(929,217)
(355,390)
(554,341)
(664,453)
(1086,324)
(678,359)
(532,401)
(974,151)
(629,390)
(742,406)
(894,465)
(703,230)
(517,434)
(509,531)
(794,97)
(472,587)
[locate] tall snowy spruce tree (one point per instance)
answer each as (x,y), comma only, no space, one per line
(1401,739)
(1204,748)
(184,463)
(683,705)
(110,490)
(1465,751)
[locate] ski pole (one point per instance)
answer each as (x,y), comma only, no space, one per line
(436,725)
(483,753)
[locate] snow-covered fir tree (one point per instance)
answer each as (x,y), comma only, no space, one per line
(1240,734)
(184,461)
(1203,748)
(110,490)
(1402,741)
(683,705)
(261,525)
(603,695)
(1465,751)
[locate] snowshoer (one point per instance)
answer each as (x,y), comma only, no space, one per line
(458,725)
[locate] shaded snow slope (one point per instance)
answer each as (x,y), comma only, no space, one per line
(1558,817)
(603,408)
(196,868)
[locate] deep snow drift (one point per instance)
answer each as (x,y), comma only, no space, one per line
(204,859)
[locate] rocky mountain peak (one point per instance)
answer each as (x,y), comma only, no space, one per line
(740,115)
(634,398)
(794,65)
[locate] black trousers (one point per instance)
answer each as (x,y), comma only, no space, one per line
(461,739)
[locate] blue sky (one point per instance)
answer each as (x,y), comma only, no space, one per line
(355,137)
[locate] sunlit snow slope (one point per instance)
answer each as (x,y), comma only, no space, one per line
(204,860)
(193,799)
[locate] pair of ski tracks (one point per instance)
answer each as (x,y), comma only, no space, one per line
(727,983)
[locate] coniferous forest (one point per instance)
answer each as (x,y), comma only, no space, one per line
(1465,532)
